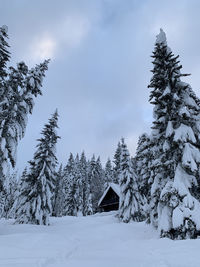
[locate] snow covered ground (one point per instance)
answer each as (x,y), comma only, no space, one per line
(93,241)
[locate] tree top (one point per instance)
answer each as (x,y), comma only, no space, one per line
(161,38)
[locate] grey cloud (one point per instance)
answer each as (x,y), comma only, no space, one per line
(100,84)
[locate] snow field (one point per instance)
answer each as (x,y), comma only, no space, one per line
(93,241)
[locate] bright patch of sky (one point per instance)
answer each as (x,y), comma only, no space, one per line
(42,48)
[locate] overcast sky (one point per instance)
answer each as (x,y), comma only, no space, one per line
(100,65)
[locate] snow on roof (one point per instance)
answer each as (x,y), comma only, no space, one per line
(115,188)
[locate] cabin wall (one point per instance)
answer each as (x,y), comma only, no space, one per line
(110,201)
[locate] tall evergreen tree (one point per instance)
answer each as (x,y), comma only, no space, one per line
(130,207)
(10,195)
(97,180)
(143,164)
(87,197)
(108,172)
(36,196)
(21,184)
(91,179)
(80,186)
(74,203)
(71,202)
(117,164)
(58,199)
(175,207)
(78,190)
(69,187)
(70,164)
(18,87)
(145,170)
(4,53)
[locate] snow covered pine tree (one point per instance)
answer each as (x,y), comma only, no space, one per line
(117,162)
(58,196)
(130,207)
(21,184)
(175,206)
(97,180)
(87,196)
(35,200)
(70,205)
(18,87)
(80,186)
(108,173)
(143,160)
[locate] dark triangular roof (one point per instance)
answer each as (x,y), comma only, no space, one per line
(115,188)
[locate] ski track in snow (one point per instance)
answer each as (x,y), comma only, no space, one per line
(93,241)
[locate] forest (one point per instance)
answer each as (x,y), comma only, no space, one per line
(159,185)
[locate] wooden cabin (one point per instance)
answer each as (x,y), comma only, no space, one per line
(110,198)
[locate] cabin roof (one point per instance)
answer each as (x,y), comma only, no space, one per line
(115,188)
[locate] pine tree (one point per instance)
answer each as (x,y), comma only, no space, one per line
(108,172)
(70,164)
(36,195)
(4,53)
(84,175)
(91,179)
(68,178)
(143,164)
(80,186)
(87,197)
(71,203)
(58,199)
(175,206)
(10,195)
(73,188)
(20,184)
(145,171)
(131,202)
(18,87)
(97,180)
(4,58)
(117,162)
(89,206)
(2,196)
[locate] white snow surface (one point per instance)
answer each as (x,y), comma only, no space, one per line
(95,241)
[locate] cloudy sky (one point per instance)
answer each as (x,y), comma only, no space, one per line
(100,65)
